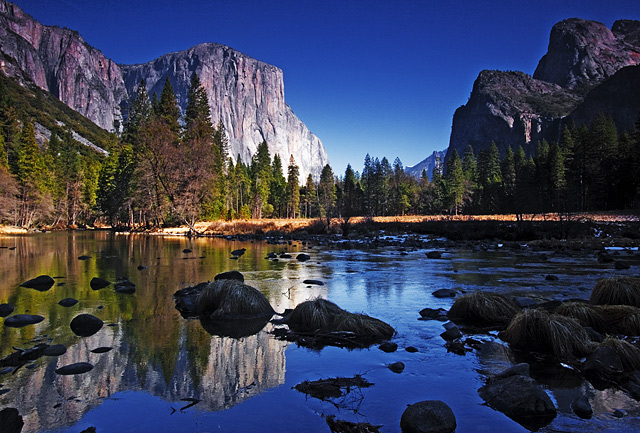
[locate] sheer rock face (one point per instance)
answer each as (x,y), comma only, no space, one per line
(513,108)
(59,61)
(245,94)
(585,52)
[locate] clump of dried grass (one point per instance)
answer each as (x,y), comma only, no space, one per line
(540,331)
(629,354)
(483,309)
(617,291)
(231,299)
(322,316)
(607,319)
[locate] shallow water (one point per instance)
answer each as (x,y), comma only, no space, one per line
(158,358)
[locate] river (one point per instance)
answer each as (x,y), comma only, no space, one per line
(160,364)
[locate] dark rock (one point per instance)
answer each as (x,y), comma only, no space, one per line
(605,258)
(141,267)
(617,413)
(338,425)
(285,256)
(20,320)
(303,257)
(101,349)
(230,275)
(85,325)
(445,293)
(525,302)
(98,283)
(620,265)
(271,255)
(434,254)
(10,420)
(125,287)
(456,347)
(430,416)
(313,282)
(186,250)
(41,283)
(77,368)
(55,350)
(411,349)
(396,367)
(551,278)
(581,407)
(68,302)
(521,399)
(5,310)
(435,314)
(239,252)
(521,369)
(84,257)
(452,331)
(388,347)
(603,364)
(89,430)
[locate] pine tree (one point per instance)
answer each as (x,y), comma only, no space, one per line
(168,109)
(278,188)
(310,198)
(4,162)
(139,112)
(327,194)
(31,168)
(508,169)
(197,118)
(260,178)
(454,183)
(293,188)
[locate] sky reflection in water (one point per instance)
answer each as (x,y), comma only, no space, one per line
(245,384)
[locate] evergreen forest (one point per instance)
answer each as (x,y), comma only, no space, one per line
(165,170)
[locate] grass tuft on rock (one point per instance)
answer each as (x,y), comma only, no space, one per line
(629,354)
(606,319)
(616,291)
(320,316)
(540,331)
(231,299)
(483,309)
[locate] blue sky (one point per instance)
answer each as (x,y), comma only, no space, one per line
(366,76)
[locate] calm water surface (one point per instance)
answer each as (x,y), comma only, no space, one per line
(159,360)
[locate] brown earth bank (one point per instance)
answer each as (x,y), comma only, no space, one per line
(586,229)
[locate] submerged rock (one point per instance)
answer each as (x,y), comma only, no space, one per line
(41,283)
(430,416)
(388,347)
(77,368)
(98,283)
(84,257)
(434,314)
(68,302)
(85,325)
(5,310)
(10,420)
(303,257)
(125,287)
(230,275)
(313,282)
(338,425)
(55,350)
(20,320)
(434,254)
(239,252)
(396,367)
(445,293)
(581,407)
(520,398)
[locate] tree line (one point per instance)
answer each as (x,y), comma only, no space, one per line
(167,169)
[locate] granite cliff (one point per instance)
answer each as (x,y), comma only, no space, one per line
(245,94)
(571,83)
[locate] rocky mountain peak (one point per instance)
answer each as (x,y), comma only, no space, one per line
(583,53)
(245,94)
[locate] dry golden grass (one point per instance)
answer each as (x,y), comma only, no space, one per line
(617,291)
(629,354)
(483,309)
(231,299)
(322,316)
(539,331)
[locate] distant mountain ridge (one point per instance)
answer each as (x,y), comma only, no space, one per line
(587,69)
(245,94)
(428,164)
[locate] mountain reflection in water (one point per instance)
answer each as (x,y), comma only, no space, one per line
(166,373)
(154,349)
